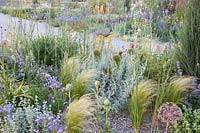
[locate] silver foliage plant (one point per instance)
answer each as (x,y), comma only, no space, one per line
(116,79)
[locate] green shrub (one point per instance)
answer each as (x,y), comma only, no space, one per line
(189,123)
(9,86)
(52,13)
(166,28)
(159,67)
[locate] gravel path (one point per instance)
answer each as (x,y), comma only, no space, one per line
(10,24)
(36,28)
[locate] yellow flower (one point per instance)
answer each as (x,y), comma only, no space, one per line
(8,40)
(19,44)
(111,46)
(100,36)
(11,50)
(125,38)
(96,8)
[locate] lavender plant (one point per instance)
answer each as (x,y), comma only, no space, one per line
(30,118)
(52,92)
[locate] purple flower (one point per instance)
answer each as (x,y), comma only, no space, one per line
(61,129)
(197,91)
(1,110)
(4,42)
(132,45)
(63,89)
(52,83)
(36,131)
(55,124)
(50,97)
(169,112)
(178,64)
(198,86)
(8,108)
(44,117)
(170,44)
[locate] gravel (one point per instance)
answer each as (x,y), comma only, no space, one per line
(121,123)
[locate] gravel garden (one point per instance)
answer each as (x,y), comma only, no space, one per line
(99,66)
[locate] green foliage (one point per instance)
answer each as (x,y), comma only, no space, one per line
(16,12)
(159,67)
(50,50)
(194,100)
(189,123)
(189,48)
(79,114)
(52,13)
(141,97)
(166,28)
(177,87)
(10,87)
(94,2)
(127,6)
(132,28)
(55,23)
(55,98)
(120,29)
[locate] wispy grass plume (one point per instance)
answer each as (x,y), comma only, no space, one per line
(83,82)
(79,113)
(141,97)
(70,69)
(176,88)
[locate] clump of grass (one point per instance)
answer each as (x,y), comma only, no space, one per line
(141,97)
(189,48)
(78,113)
(82,82)
(176,88)
(69,69)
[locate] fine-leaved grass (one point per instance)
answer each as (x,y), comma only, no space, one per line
(78,114)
